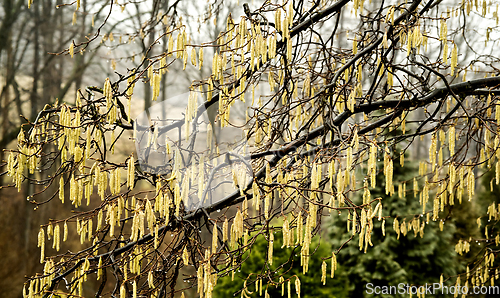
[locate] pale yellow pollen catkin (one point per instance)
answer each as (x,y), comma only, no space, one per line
(61,189)
(57,237)
(451,140)
(323,272)
(270,249)
(185,256)
(200,55)
(445,53)
(214,239)
(454,59)
(41,244)
(130,173)
(297,286)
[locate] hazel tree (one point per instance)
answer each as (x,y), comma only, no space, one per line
(320,90)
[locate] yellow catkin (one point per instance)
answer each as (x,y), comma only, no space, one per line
(470,183)
(108,92)
(185,256)
(193,56)
(200,280)
(123,291)
(57,237)
(297,286)
(454,59)
(432,151)
(179,45)
(214,239)
(445,53)
(372,164)
(451,140)
(396,227)
(277,19)
(390,77)
(99,270)
(155,83)
(388,171)
(41,244)
(184,59)
(61,189)
(237,228)
(333,265)
(65,232)
(286,233)
(497,114)
(323,272)
(225,226)
(270,249)
(443,31)
(200,55)
(151,280)
(130,172)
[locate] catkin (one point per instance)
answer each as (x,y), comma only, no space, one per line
(41,244)
(10,165)
(286,234)
(388,171)
(432,151)
(396,227)
(445,53)
(277,19)
(179,47)
(193,56)
(443,31)
(108,92)
(297,286)
(57,237)
(454,58)
(155,83)
(333,265)
(372,163)
(130,173)
(184,59)
(451,140)
(214,239)
(61,189)
(237,228)
(185,256)
(470,183)
(270,248)
(323,272)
